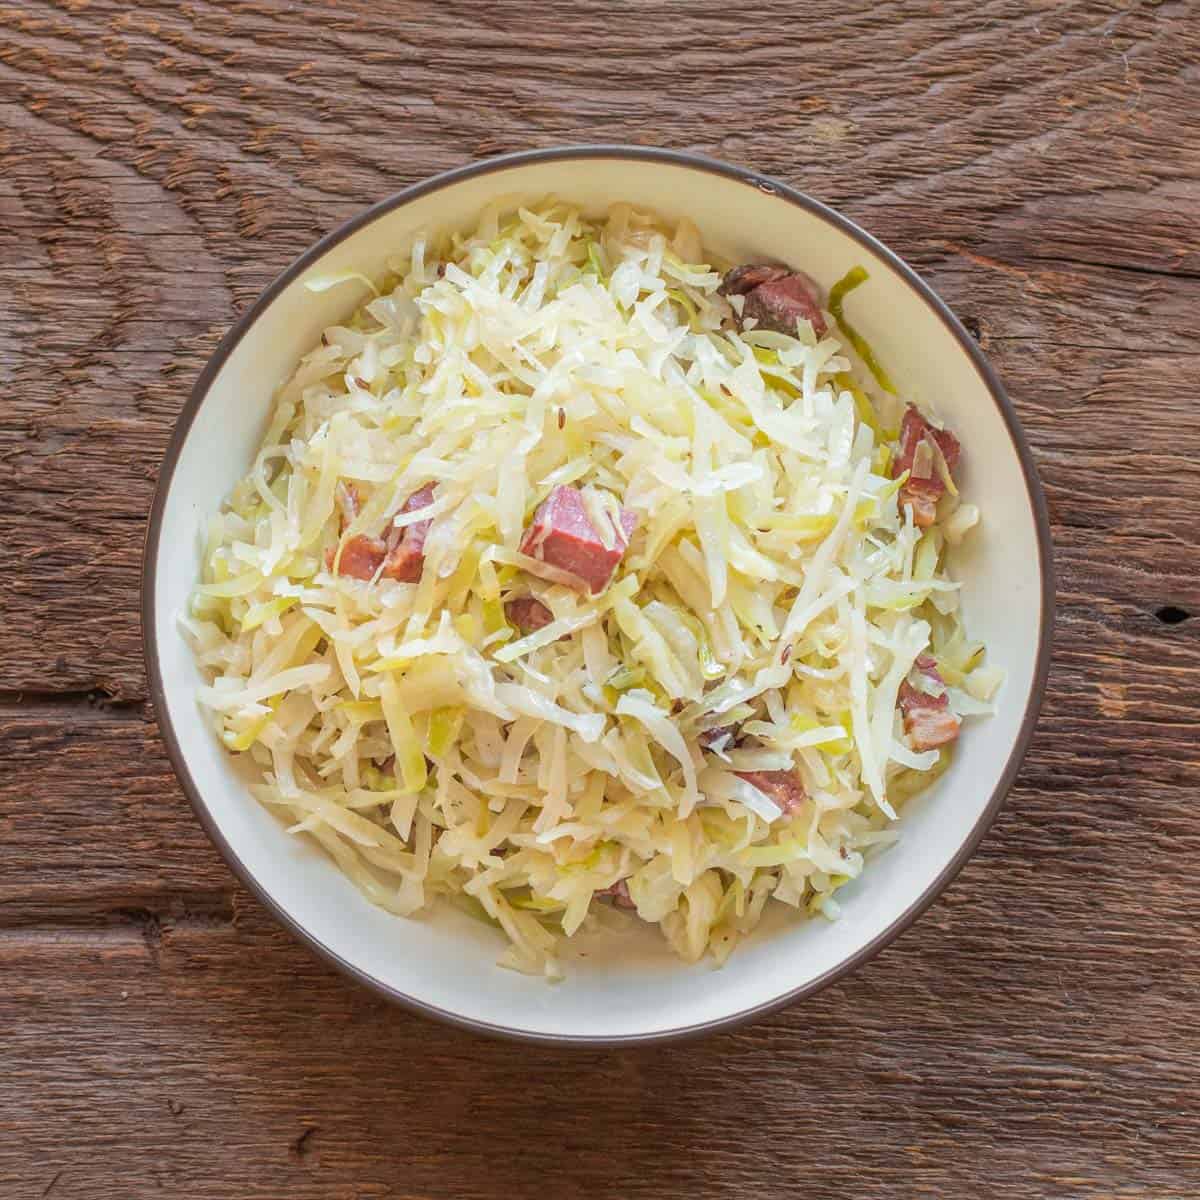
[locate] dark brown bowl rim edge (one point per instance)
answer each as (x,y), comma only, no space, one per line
(698,162)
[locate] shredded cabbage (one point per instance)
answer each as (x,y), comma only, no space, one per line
(766,615)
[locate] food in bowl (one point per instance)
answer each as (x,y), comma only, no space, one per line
(577,580)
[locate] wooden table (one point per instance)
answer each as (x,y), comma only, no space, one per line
(1035,1035)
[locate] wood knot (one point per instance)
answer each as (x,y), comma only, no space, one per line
(1171,614)
(301,1146)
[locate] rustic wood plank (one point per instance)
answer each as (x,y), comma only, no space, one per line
(175,1067)
(1039,162)
(81,842)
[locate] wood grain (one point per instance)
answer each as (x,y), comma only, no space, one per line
(1033,1036)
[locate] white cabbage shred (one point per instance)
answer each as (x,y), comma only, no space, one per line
(771,602)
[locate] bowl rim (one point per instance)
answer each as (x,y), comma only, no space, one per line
(674,158)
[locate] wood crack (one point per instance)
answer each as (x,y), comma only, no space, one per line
(98,699)
(151,916)
(1131,268)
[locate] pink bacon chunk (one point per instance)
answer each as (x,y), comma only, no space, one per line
(401,555)
(776,297)
(928,720)
(782,787)
(924,491)
(361,556)
(723,733)
(618,894)
(528,614)
(562,535)
(406,545)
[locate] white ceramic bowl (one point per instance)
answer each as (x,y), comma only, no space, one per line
(631,989)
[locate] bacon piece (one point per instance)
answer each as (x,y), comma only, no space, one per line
(739,281)
(416,533)
(401,554)
(361,556)
(618,894)
(406,545)
(562,535)
(928,720)
(709,736)
(783,787)
(925,491)
(528,614)
(776,297)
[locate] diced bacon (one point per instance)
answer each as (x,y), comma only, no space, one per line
(740,280)
(406,546)
(927,665)
(401,554)
(361,556)
(913,429)
(404,563)
(414,535)
(723,734)
(923,491)
(776,297)
(783,787)
(928,720)
(528,614)
(562,535)
(618,894)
